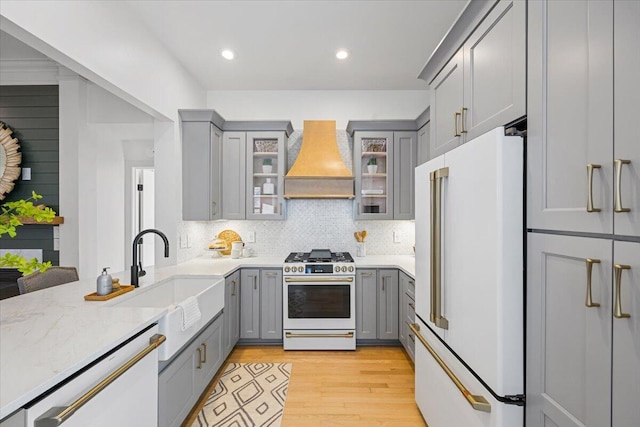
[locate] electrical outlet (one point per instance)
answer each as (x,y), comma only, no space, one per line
(396,237)
(183,241)
(251,237)
(189,241)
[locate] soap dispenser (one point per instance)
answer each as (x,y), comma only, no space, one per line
(104,283)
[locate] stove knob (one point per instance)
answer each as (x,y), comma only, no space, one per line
(350,268)
(301,269)
(344,269)
(336,269)
(287,269)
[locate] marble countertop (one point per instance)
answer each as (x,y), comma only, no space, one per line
(47,336)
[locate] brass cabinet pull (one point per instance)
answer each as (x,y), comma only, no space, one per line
(412,283)
(617,312)
(255,282)
(462,111)
(412,338)
(455,124)
(436,316)
(477,402)
(56,416)
(204,350)
(233,292)
(367,274)
(618,202)
(590,168)
(271,273)
(383,283)
(199,350)
(214,208)
(412,305)
(589,302)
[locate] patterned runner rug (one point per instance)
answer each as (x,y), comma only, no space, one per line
(247,394)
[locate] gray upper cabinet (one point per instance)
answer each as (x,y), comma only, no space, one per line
(234,148)
(201,171)
(495,70)
(383,166)
(446,101)
(483,84)
(423,143)
(373,170)
(405,159)
(266,167)
(626,67)
(570,116)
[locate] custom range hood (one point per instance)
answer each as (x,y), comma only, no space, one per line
(319,172)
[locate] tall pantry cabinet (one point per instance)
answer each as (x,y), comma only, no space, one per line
(583,279)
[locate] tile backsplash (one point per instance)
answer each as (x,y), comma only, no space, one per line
(309,224)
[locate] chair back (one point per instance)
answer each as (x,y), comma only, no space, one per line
(53,276)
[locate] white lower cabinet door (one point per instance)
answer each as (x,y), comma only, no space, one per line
(626,335)
(441,402)
(569,299)
(130,400)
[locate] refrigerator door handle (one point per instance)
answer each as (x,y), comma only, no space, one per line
(436,316)
(477,402)
(617,311)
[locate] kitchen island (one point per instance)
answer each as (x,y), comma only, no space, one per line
(49,335)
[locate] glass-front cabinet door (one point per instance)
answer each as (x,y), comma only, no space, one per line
(266,166)
(373,169)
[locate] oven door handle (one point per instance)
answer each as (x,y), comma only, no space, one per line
(319,335)
(318,279)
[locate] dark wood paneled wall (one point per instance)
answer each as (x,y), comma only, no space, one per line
(32,112)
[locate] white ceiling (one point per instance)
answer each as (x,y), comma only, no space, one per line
(291,45)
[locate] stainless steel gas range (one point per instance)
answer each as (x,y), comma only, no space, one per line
(319,301)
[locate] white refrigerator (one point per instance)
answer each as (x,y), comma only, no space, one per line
(469,357)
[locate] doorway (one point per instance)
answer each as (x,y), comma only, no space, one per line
(143,212)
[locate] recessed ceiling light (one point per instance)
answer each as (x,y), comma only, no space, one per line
(228,54)
(342,54)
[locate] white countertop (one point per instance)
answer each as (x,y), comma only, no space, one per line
(48,335)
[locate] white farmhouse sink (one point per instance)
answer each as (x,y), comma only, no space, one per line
(166,294)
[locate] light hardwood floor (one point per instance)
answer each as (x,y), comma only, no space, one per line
(372,386)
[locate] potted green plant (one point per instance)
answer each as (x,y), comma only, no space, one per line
(11,216)
(372,165)
(267,166)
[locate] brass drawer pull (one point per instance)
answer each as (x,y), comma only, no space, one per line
(455,124)
(294,335)
(477,402)
(204,350)
(462,111)
(199,350)
(589,302)
(617,311)
(618,202)
(590,168)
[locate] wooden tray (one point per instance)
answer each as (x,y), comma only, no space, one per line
(95,297)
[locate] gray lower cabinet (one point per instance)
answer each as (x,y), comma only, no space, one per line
(377,304)
(250,303)
(569,306)
(271,304)
(261,304)
(366,304)
(407,313)
(184,379)
(231,312)
(388,304)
